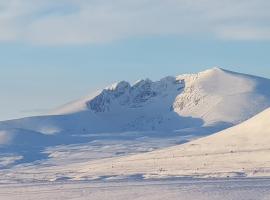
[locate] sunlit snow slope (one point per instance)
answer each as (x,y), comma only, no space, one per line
(243,150)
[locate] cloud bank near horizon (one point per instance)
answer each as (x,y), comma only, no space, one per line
(78,22)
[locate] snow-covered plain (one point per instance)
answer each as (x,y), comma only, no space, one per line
(219,189)
(152,134)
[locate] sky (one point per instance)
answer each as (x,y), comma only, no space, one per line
(53,52)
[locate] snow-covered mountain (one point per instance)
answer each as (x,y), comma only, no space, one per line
(126,119)
(215,97)
(242,150)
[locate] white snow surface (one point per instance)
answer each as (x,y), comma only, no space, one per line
(240,151)
(231,189)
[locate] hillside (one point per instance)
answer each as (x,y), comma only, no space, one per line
(242,151)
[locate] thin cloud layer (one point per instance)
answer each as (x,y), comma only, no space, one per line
(53,22)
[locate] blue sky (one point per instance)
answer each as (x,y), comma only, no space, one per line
(52,53)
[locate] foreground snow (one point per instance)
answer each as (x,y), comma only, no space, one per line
(242,151)
(181,189)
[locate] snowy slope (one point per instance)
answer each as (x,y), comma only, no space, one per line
(242,150)
(220,95)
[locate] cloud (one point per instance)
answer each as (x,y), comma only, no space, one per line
(53,22)
(245,33)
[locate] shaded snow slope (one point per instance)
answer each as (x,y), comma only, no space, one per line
(242,150)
